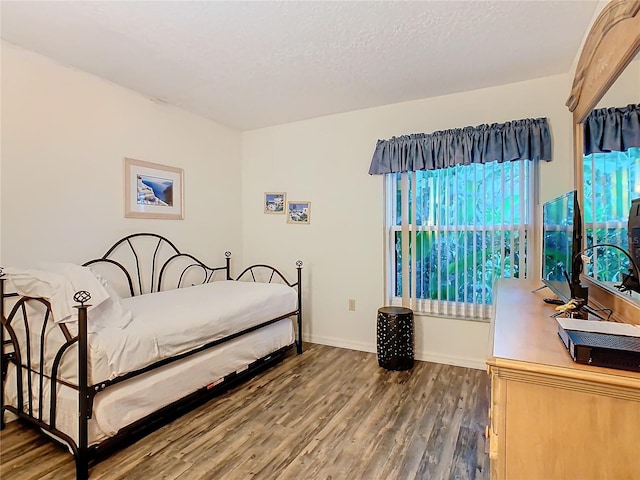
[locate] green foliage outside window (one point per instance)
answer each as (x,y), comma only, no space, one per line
(469,222)
(612,181)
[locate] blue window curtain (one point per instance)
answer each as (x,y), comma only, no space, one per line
(612,129)
(527,139)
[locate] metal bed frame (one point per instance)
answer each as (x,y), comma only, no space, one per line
(11,351)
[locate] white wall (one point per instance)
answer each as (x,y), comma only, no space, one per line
(65,134)
(326,161)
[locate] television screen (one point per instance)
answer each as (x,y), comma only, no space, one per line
(561,241)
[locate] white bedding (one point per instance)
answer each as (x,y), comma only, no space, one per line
(166,324)
(122,404)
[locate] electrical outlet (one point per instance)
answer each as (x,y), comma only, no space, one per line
(352,304)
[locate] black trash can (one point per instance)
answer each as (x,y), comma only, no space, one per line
(395,338)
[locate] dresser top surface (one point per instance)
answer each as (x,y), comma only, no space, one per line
(524,333)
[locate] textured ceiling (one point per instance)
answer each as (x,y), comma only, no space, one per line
(254,64)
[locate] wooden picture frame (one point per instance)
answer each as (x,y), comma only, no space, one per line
(274,202)
(299,212)
(152,190)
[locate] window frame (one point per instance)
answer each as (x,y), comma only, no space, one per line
(464,310)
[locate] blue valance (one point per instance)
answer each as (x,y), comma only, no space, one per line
(527,139)
(612,129)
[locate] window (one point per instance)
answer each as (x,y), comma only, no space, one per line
(611,182)
(453,231)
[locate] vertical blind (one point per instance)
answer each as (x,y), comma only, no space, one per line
(454,231)
(611,182)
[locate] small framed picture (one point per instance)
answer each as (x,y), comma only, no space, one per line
(274,202)
(298,212)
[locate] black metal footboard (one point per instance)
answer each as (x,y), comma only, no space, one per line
(33,380)
(271,275)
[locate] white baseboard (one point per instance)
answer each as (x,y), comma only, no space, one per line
(477,363)
(340,343)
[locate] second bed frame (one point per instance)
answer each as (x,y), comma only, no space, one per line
(85,455)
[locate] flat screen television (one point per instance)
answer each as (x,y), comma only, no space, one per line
(561,245)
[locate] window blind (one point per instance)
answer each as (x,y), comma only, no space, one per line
(453,231)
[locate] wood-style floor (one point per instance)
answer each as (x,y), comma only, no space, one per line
(328,414)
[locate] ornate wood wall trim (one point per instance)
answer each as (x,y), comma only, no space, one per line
(613,41)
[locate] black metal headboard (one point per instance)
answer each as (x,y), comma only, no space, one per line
(267,274)
(148,262)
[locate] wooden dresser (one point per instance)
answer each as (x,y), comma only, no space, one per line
(549,417)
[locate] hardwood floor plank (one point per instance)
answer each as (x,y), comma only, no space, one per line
(32,456)
(463,464)
(416,460)
(431,462)
(390,434)
(330,413)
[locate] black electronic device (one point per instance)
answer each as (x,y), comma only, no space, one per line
(630,280)
(554,301)
(602,349)
(561,245)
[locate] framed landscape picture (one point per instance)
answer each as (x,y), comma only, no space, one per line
(298,212)
(274,202)
(152,190)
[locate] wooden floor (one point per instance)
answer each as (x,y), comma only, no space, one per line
(328,414)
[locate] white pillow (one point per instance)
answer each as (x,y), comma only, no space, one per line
(58,287)
(58,282)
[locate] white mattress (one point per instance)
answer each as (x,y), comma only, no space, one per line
(166,324)
(124,403)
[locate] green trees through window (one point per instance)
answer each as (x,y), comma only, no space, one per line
(612,181)
(468,226)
